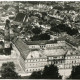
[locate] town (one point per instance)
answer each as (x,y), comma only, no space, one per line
(39,33)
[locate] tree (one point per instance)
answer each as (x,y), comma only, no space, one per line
(64,28)
(6,7)
(8,71)
(49,72)
(36,75)
(35,38)
(58,7)
(75,73)
(36,30)
(44,36)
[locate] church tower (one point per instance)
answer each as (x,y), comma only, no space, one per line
(7,42)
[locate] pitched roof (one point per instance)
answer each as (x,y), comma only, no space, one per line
(71,40)
(73,53)
(40,42)
(78,37)
(22,47)
(54,52)
(20,17)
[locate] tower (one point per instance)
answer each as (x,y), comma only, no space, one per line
(7,43)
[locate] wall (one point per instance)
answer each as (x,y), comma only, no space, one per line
(35,64)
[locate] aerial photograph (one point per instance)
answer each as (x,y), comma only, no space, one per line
(40,40)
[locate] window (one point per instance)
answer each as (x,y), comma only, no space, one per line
(28,60)
(69,66)
(40,55)
(31,56)
(44,45)
(34,60)
(62,57)
(39,69)
(76,56)
(61,61)
(45,59)
(32,46)
(66,58)
(40,59)
(31,60)
(52,58)
(71,57)
(75,61)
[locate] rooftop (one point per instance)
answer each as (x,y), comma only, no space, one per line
(20,17)
(22,47)
(41,42)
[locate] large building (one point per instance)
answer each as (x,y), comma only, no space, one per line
(34,55)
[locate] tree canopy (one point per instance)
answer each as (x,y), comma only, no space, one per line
(36,30)
(43,36)
(64,28)
(75,73)
(8,71)
(6,7)
(49,72)
(36,75)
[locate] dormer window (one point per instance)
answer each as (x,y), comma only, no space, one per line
(40,55)
(31,56)
(71,53)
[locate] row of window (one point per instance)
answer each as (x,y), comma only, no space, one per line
(36,64)
(59,57)
(58,62)
(73,61)
(66,62)
(62,57)
(36,60)
(43,46)
(70,66)
(31,70)
(71,57)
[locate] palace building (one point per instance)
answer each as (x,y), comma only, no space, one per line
(34,55)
